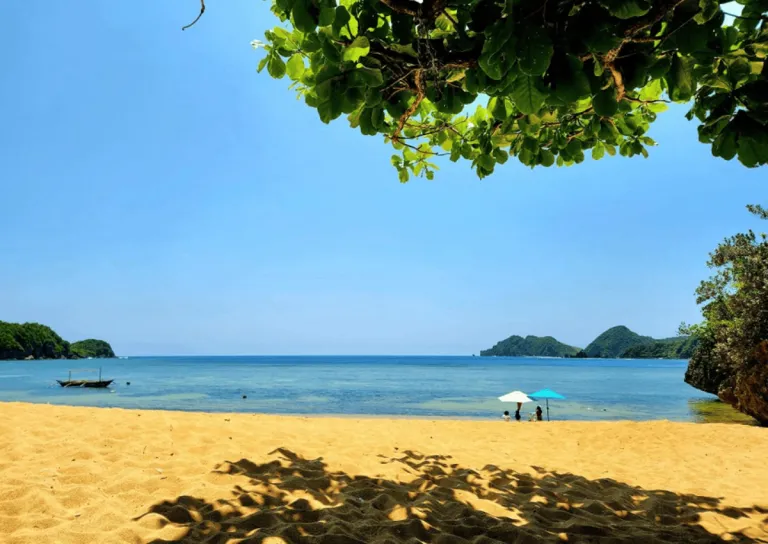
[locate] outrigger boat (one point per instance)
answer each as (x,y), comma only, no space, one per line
(85,383)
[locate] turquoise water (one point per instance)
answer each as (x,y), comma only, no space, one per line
(457,387)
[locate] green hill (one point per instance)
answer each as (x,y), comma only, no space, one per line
(681,347)
(36,341)
(615,342)
(92,348)
(530,346)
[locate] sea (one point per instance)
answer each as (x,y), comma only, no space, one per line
(454,387)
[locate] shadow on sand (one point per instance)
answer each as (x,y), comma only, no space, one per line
(295,500)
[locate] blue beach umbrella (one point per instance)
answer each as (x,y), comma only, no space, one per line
(546,394)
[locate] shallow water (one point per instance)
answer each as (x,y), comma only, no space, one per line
(464,387)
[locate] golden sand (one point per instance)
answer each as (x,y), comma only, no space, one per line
(90,475)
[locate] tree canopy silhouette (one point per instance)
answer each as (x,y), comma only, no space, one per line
(540,80)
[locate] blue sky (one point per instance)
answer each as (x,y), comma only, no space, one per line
(158,193)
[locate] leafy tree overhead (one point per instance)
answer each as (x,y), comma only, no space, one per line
(541,80)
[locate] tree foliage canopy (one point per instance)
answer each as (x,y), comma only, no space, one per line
(36,341)
(540,80)
(18,341)
(732,358)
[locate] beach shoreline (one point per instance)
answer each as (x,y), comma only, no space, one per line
(74,475)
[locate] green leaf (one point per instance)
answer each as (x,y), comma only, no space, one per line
(725,145)
(534,50)
(739,71)
(709,8)
(471,82)
(598,69)
(327,15)
(652,91)
(626,9)
(330,51)
(358,48)
(497,107)
(402,175)
(295,67)
(311,43)
(285,6)
(275,66)
(605,104)
(370,76)
(598,152)
(331,108)
(491,65)
(570,83)
(455,153)
(500,37)
(608,132)
(340,20)
(302,18)
(527,94)
(500,156)
(498,49)
(486,161)
(372,96)
(753,149)
(659,68)
(363,121)
(377,118)
(262,63)
(546,158)
(680,79)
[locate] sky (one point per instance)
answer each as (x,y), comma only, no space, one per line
(158,193)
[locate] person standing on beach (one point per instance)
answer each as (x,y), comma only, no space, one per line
(517,414)
(539,414)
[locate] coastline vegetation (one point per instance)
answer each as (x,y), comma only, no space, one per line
(36,341)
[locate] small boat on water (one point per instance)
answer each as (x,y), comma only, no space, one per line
(69,382)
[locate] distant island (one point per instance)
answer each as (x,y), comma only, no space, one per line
(36,341)
(615,343)
(530,346)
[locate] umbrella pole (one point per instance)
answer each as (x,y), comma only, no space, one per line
(547,409)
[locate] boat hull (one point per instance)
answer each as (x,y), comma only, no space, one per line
(85,383)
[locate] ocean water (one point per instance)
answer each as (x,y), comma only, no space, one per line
(453,387)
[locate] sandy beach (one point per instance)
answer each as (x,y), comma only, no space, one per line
(84,475)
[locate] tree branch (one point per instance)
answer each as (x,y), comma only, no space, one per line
(618,80)
(202,10)
(419,81)
(428,9)
(407,7)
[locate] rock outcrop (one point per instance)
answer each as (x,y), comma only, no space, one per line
(744,387)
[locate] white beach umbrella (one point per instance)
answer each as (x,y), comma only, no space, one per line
(515,396)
